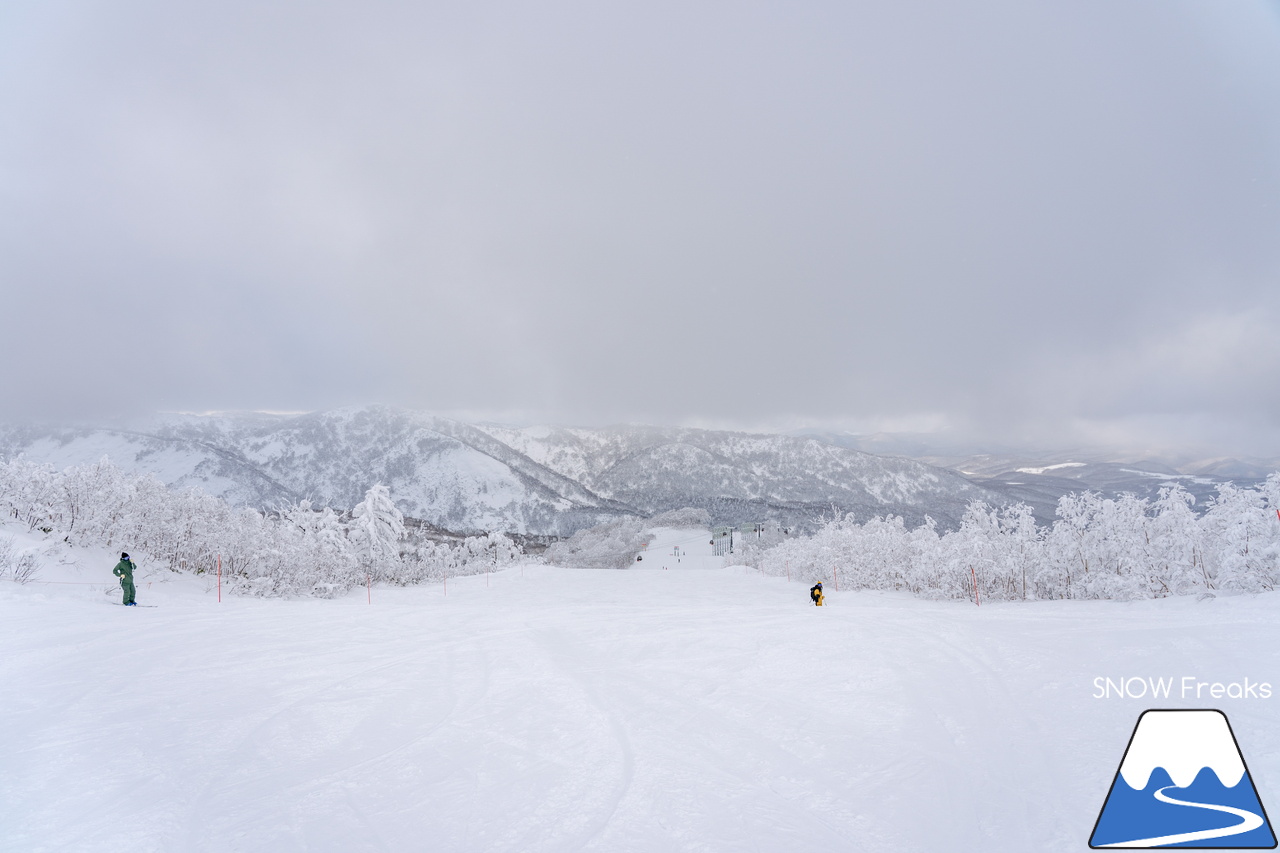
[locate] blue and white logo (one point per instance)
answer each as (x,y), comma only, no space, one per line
(1183,783)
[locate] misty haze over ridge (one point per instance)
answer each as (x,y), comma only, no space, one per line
(1050,224)
(548,480)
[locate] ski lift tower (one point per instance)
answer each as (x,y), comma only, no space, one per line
(722,541)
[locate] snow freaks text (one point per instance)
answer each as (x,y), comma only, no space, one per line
(1186,687)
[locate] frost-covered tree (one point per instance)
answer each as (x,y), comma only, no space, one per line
(612,545)
(299,551)
(377,528)
(1121,548)
(1242,532)
(1126,547)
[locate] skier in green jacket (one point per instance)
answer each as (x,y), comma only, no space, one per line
(124,571)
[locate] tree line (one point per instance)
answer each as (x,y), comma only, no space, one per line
(1098,548)
(297,550)
(1105,548)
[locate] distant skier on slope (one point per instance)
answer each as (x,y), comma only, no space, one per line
(124,571)
(815,593)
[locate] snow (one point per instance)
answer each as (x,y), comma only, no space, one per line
(694,707)
(1160,476)
(174,463)
(1183,743)
(1060,465)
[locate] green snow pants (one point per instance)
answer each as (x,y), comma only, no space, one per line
(126,584)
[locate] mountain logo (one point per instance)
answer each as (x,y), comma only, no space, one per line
(1183,783)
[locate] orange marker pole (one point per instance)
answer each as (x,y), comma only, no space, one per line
(219,578)
(975,586)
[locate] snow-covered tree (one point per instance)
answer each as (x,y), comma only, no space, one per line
(613,545)
(377,528)
(1125,547)
(1244,540)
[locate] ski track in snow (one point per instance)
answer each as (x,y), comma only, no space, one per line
(1248,822)
(692,708)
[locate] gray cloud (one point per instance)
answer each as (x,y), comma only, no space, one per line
(1005,216)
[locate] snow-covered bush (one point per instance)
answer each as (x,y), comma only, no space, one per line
(299,551)
(612,545)
(475,555)
(16,565)
(1121,548)
(750,545)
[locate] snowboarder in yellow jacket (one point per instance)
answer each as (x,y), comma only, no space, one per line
(815,593)
(124,571)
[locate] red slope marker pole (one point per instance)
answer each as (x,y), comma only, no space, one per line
(368,579)
(219,578)
(835,581)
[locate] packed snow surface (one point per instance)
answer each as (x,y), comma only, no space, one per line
(676,706)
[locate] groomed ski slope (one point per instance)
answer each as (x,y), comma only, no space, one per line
(691,708)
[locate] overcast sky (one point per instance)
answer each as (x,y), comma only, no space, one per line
(1040,220)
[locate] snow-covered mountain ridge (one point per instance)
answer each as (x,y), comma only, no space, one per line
(536,480)
(1040,477)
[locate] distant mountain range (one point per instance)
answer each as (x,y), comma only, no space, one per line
(477,477)
(1040,477)
(552,481)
